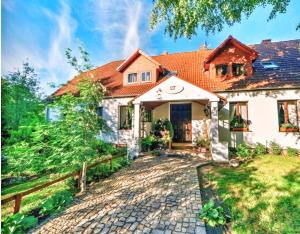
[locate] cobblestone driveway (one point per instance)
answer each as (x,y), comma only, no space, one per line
(153,195)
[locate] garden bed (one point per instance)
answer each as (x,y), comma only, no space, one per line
(208,193)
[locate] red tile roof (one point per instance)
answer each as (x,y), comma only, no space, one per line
(189,66)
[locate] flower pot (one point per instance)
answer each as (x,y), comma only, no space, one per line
(239,129)
(282,129)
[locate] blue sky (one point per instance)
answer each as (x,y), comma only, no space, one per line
(40,31)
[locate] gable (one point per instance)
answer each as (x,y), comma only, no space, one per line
(176,89)
(139,65)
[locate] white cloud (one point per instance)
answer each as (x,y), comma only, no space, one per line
(48,60)
(122,25)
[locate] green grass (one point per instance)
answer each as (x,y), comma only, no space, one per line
(34,200)
(263,195)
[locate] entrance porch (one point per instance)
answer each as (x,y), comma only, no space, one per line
(192,111)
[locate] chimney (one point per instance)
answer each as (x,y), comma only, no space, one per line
(266,41)
(165,52)
(203,47)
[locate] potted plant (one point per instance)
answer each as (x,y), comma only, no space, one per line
(288,127)
(203,144)
(238,124)
(147,142)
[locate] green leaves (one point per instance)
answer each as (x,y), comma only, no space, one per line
(82,65)
(18,224)
(212,214)
(56,203)
(184,17)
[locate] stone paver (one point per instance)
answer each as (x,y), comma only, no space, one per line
(154,195)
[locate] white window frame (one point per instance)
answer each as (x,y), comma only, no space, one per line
(145,81)
(128,78)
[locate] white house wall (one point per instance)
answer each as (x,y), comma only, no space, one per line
(263,114)
(111,115)
(200,122)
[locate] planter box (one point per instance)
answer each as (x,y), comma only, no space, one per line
(239,129)
(289,129)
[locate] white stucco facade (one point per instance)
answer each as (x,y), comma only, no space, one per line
(263,114)
(111,115)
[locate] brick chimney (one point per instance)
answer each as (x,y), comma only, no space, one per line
(266,41)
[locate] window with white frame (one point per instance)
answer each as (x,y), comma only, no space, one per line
(287,115)
(238,116)
(132,78)
(146,76)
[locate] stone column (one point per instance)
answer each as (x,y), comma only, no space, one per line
(136,131)
(219,150)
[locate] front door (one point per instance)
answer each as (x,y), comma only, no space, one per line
(181,119)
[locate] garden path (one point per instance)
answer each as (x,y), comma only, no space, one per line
(153,195)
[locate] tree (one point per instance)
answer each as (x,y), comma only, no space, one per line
(80,65)
(183,17)
(66,143)
(21,102)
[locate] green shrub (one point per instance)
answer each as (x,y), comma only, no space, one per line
(243,150)
(104,148)
(275,148)
(203,142)
(18,223)
(56,202)
(120,151)
(124,162)
(156,152)
(260,149)
(212,214)
(148,142)
(292,152)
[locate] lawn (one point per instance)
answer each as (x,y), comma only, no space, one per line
(263,195)
(34,200)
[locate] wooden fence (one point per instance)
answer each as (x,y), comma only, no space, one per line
(18,197)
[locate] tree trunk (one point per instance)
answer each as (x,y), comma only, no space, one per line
(83,178)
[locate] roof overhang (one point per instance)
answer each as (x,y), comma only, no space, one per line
(176,89)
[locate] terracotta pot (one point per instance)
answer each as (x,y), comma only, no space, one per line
(239,129)
(288,129)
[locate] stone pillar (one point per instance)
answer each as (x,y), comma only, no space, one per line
(136,132)
(219,150)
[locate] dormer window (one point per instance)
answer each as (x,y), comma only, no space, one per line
(238,69)
(221,70)
(132,78)
(146,76)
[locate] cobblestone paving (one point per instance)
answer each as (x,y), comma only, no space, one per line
(154,195)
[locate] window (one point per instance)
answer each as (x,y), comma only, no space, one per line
(148,116)
(221,69)
(269,64)
(238,69)
(99,111)
(125,117)
(238,116)
(287,116)
(132,78)
(146,76)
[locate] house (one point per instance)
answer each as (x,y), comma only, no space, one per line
(237,92)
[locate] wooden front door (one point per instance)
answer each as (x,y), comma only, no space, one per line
(181,119)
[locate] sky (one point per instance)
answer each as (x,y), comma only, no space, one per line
(40,31)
